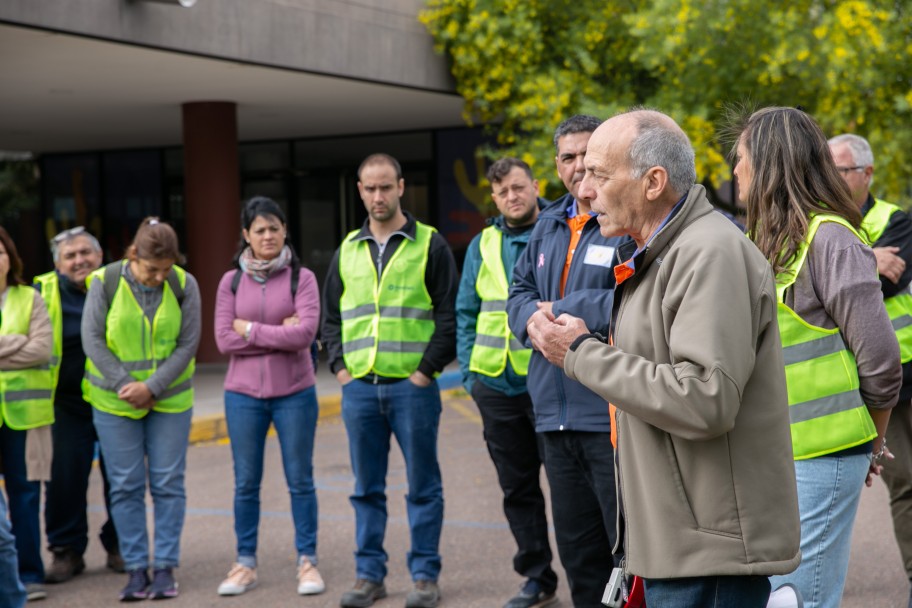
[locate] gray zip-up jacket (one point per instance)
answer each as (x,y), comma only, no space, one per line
(706,477)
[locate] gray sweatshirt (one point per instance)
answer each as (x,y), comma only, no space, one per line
(838,287)
(96,347)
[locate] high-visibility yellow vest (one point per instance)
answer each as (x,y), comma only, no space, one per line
(386,324)
(49,284)
(27,394)
(899,307)
(825,406)
(141,347)
(494,342)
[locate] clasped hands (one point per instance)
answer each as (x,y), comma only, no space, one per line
(552,336)
(137,394)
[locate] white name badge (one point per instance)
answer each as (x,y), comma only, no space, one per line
(599,255)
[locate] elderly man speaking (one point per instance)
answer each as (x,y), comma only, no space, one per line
(694,367)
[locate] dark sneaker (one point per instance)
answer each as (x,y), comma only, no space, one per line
(115,562)
(34,591)
(164,586)
(363,594)
(67,564)
(137,586)
(425,594)
(532,596)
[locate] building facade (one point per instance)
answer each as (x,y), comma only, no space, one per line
(138,107)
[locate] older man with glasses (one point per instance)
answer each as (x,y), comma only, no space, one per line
(76,254)
(890,230)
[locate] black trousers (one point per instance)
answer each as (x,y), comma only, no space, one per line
(65,519)
(515,449)
(580,468)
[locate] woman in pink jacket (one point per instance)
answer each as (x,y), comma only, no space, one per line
(266,320)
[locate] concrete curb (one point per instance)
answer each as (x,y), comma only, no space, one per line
(204,429)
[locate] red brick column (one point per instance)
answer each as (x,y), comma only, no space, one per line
(212,203)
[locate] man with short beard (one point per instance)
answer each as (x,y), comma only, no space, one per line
(76,254)
(389,329)
(494,367)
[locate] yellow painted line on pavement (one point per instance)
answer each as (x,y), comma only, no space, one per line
(206,429)
(467,412)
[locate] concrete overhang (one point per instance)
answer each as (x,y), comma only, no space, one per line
(64,92)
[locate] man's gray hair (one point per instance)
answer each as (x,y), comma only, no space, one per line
(658,145)
(64,237)
(862,155)
(580,123)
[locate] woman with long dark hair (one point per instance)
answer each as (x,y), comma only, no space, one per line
(840,353)
(266,315)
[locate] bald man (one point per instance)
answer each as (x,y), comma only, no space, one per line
(693,366)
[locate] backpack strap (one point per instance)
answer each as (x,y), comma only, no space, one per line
(175,285)
(112,280)
(236,280)
(295,277)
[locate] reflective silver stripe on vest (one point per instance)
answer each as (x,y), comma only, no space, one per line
(177,389)
(360,343)
(54,360)
(359,311)
(498,342)
(100,382)
(493,306)
(516,344)
(406,312)
(401,347)
(28,395)
(796,353)
(901,322)
(138,366)
(831,404)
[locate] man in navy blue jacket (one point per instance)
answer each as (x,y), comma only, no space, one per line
(567,267)
(494,368)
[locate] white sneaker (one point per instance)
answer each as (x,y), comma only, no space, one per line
(240,579)
(786,596)
(309,580)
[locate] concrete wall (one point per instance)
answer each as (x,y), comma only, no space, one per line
(376,40)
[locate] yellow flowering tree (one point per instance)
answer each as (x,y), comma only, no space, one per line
(524,65)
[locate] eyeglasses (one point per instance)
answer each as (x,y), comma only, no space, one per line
(68,234)
(846,170)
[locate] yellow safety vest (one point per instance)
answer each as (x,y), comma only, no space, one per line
(899,307)
(825,406)
(386,323)
(141,347)
(49,284)
(494,342)
(27,394)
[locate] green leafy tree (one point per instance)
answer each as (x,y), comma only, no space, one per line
(524,65)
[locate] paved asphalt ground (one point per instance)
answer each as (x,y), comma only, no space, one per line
(476,545)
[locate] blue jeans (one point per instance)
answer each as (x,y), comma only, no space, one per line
(371,413)
(708,592)
(295,420)
(829,488)
(24,504)
(12,593)
(127,444)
